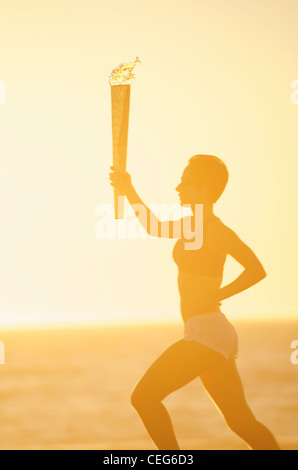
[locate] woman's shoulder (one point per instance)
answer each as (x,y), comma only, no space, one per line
(218,226)
(219,234)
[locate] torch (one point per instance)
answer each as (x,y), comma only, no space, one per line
(120,81)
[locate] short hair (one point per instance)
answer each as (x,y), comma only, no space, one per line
(210,170)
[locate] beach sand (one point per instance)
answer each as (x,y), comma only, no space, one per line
(69,388)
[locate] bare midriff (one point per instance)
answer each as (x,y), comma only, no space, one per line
(195,291)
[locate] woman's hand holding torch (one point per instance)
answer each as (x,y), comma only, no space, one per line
(121,180)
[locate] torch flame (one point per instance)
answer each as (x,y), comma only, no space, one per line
(122,75)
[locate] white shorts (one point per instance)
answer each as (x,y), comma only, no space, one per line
(213,330)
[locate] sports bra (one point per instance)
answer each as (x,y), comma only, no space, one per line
(204,261)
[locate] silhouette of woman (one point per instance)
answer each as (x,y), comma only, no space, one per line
(209,346)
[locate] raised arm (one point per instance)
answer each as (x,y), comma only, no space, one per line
(147,218)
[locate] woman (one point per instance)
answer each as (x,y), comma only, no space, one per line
(209,347)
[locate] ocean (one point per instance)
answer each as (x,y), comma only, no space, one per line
(69,387)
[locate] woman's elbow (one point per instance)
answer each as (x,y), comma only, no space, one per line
(256,272)
(260,273)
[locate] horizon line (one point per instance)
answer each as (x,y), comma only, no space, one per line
(131,323)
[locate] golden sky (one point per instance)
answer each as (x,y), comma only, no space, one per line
(215,78)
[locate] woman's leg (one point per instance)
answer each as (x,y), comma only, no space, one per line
(178,365)
(225,388)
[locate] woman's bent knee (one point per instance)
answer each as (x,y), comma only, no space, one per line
(141,398)
(135,399)
(138,398)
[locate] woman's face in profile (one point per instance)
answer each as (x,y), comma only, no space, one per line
(189,192)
